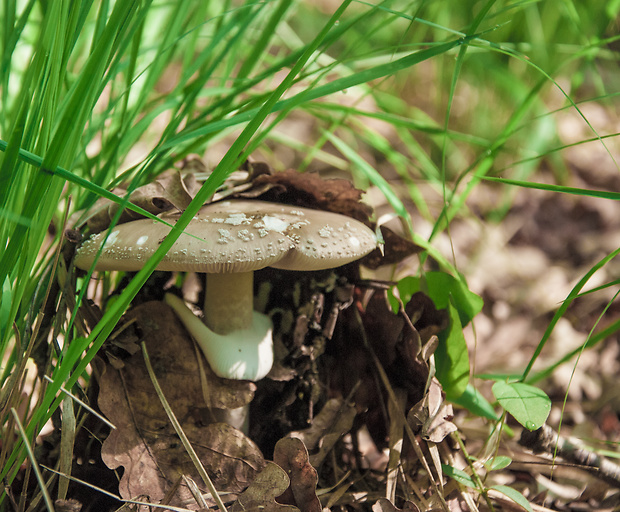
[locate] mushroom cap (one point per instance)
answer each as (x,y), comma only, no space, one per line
(235,236)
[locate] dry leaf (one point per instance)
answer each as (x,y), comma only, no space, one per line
(292,456)
(145,442)
(261,495)
(385,505)
(169,191)
(431,416)
(333,422)
(401,350)
(395,249)
(306,189)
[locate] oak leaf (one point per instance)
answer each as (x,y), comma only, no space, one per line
(145,442)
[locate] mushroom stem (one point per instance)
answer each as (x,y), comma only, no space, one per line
(245,354)
(229,302)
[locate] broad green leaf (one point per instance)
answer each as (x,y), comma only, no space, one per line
(452,358)
(499,462)
(473,401)
(528,405)
(458,475)
(514,495)
(440,286)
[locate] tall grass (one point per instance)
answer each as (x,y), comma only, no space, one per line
(97,92)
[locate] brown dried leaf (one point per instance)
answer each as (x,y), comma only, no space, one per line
(385,505)
(145,442)
(395,249)
(401,350)
(178,360)
(292,456)
(179,191)
(261,495)
(427,319)
(306,189)
(333,422)
(431,416)
(167,192)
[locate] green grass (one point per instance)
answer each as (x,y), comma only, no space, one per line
(441,100)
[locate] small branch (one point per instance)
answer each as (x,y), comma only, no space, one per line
(546,440)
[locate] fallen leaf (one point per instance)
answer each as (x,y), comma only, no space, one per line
(431,417)
(401,346)
(145,443)
(331,424)
(169,191)
(395,249)
(308,189)
(261,495)
(292,456)
(385,505)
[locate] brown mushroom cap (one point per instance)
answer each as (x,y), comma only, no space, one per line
(236,236)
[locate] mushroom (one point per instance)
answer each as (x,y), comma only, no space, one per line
(229,241)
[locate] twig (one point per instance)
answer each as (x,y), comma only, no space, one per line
(546,440)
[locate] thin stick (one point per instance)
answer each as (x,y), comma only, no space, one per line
(83,404)
(546,440)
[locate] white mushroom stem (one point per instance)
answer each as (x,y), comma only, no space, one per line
(244,354)
(229,302)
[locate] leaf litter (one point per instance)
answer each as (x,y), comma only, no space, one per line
(323,412)
(309,414)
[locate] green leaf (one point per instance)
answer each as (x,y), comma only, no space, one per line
(530,406)
(460,476)
(473,401)
(440,287)
(514,495)
(499,462)
(452,358)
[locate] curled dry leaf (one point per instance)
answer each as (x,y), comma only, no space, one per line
(395,249)
(333,422)
(169,191)
(306,189)
(292,456)
(401,350)
(431,417)
(261,495)
(385,505)
(145,442)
